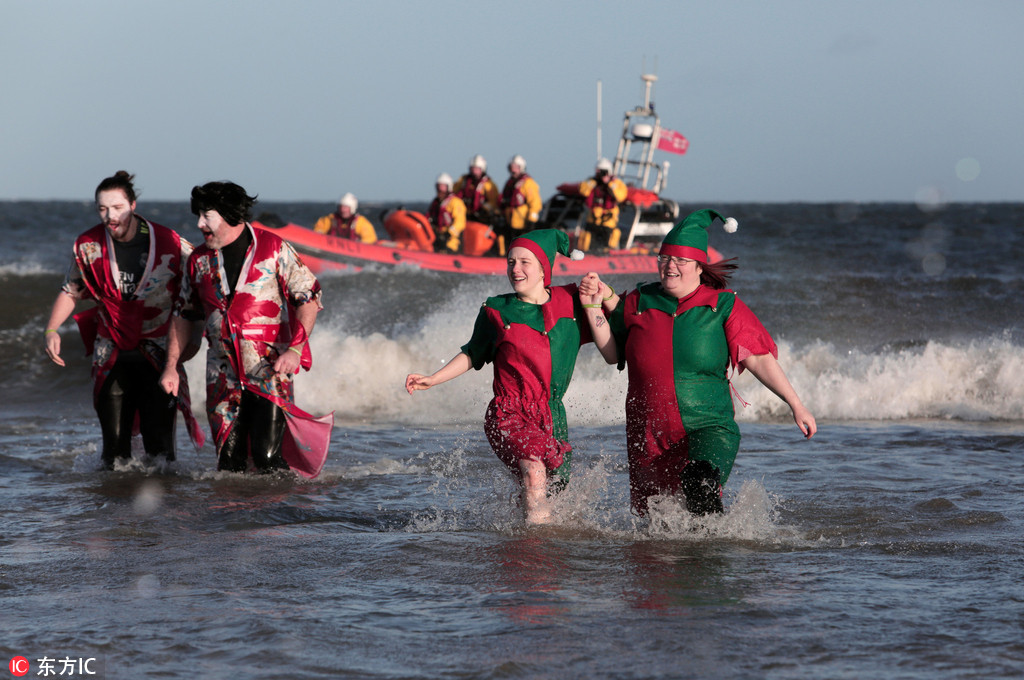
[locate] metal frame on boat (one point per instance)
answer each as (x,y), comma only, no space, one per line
(645,215)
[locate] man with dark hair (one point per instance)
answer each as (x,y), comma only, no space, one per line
(132,269)
(257,326)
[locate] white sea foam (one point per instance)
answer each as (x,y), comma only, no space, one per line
(382,466)
(596,503)
(363,377)
(750,516)
(975,380)
(25,268)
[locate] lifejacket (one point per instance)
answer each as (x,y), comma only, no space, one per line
(440,217)
(512,195)
(601,197)
(472,192)
(343,228)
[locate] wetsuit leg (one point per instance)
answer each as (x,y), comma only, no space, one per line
(157,412)
(712,451)
(234,452)
(701,488)
(266,429)
(258,430)
(116,413)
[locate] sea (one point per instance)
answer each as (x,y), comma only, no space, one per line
(891,545)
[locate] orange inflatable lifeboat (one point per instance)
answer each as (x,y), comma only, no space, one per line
(477,238)
(410,230)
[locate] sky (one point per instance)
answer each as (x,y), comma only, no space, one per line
(788,100)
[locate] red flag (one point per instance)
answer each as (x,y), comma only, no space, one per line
(672,141)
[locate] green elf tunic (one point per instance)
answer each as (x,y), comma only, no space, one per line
(533,349)
(678,402)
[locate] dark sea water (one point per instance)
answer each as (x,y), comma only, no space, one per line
(889,546)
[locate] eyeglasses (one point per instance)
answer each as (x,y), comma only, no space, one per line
(677,261)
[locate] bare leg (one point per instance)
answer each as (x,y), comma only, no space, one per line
(535,491)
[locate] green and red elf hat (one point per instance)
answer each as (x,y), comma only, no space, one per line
(546,244)
(689,238)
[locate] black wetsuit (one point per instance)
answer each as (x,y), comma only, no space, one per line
(133,388)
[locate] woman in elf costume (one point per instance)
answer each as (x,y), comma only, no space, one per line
(532,337)
(680,337)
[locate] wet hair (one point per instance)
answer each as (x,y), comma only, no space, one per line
(715,275)
(120,180)
(227,198)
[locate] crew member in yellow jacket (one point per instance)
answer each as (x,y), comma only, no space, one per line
(478,192)
(603,193)
(447,213)
(520,203)
(345,222)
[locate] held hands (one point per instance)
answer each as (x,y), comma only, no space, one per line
(590,284)
(591,288)
(596,304)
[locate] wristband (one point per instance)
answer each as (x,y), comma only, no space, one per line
(49,330)
(597,306)
(295,349)
(610,295)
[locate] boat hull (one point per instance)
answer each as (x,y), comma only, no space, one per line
(323,253)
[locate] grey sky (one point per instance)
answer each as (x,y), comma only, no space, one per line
(789,100)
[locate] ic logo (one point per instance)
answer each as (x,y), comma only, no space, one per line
(19,666)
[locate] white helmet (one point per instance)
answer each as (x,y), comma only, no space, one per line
(478,161)
(349,200)
(518,160)
(444,178)
(604,164)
